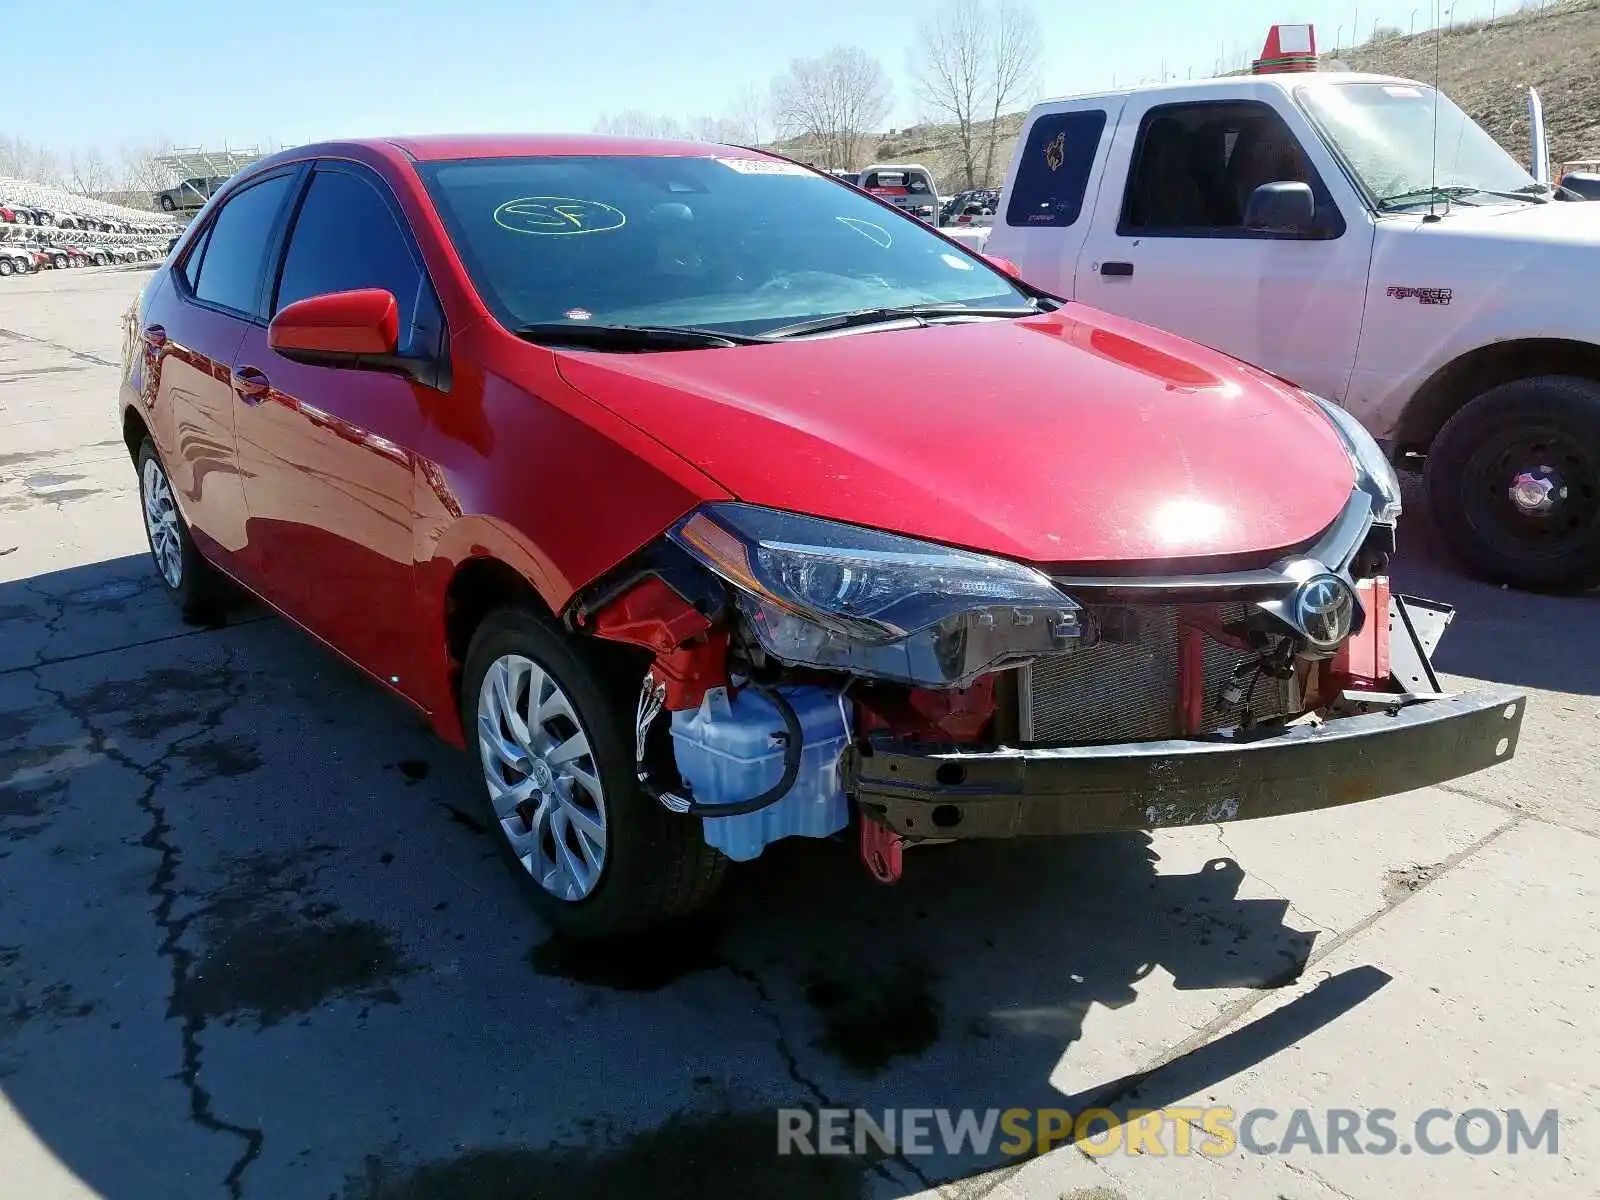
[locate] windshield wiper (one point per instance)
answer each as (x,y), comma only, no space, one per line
(904,312)
(631,337)
(1418,195)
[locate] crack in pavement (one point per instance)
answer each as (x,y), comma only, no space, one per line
(165,637)
(163,888)
(792,1066)
(39,341)
(1276,890)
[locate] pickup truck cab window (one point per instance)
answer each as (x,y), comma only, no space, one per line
(1053,171)
(1195,167)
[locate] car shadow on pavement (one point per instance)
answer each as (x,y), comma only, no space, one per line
(254,941)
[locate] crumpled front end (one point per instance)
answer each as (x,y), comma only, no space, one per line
(803,675)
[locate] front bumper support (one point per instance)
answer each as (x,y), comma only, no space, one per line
(922,790)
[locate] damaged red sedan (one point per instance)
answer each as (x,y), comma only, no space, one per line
(707,501)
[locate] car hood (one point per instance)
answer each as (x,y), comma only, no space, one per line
(1072,437)
(1562,223)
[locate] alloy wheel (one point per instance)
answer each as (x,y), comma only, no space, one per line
(161,523)
(544,784)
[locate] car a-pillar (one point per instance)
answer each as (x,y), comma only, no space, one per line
(1510,435)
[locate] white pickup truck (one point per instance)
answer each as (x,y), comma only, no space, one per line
(1302,221)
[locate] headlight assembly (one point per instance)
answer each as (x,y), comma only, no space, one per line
(842,597)
(1374,474)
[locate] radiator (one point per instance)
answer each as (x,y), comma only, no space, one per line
(1127,691)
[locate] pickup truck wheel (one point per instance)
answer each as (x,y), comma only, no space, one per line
(194,585)
(1513,480)
(553,747)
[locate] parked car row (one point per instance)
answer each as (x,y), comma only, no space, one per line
(24,257)
(29,214)
(970,207)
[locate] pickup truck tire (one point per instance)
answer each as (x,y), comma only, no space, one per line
(654,865)
(1513,480)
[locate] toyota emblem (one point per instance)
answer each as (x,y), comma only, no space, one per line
(1324,610)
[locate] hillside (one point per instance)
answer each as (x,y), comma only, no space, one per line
(1485,67)
(1488,67)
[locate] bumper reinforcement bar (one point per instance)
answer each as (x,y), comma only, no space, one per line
(922,790)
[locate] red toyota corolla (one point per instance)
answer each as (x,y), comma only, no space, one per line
(710,501)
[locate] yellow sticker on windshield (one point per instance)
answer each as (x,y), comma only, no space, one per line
(558,216)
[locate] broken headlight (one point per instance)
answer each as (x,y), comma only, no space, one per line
(1374,474)
(845,598)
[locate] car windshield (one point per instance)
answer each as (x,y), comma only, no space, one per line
(1385,133)
(736,245)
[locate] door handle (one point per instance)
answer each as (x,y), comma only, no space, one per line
(156,335)
(1119,269)
(250,384)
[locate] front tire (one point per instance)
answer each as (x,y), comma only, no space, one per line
(551,740)
(192,582)
(1513,481)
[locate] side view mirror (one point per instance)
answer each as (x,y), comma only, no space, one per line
(342,329)
(1003,265)
(1287,208)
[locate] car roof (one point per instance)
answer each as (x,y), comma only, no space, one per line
(1282,80)
(440,147)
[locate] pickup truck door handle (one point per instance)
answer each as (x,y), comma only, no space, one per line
(1123,269)
(250,385)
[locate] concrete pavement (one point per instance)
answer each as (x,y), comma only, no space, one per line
(253,942)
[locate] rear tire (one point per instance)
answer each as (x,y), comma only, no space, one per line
(6,267)
(1513,481)
(655,866)
(194,585)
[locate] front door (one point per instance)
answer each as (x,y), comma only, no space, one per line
(1168,245)
(327,452)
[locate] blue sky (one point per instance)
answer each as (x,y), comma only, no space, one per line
(239,72)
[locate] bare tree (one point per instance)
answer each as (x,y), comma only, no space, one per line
(833,101)
(88,174)
(21,159)
(749,115)
(716,129)
(635,123)
(975,59)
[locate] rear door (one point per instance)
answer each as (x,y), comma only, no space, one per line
(1049,195)
(327,452)
(1168,245)
(192,328)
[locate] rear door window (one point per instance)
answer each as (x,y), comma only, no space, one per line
(236,248)
(1053,174)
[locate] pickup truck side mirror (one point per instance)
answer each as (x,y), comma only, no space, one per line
(1283,208)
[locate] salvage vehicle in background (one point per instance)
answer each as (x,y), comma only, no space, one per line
(763,510)
(1301,221)
(190,194)
(908,186)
